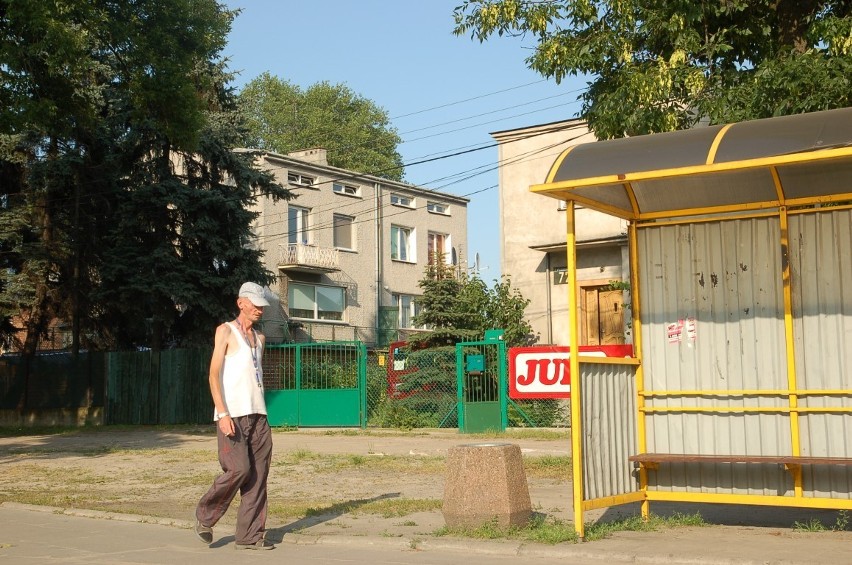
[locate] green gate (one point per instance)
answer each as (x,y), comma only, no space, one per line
(316,384)
(482,389)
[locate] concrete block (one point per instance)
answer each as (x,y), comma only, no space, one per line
(485,482)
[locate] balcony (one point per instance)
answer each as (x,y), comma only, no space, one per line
(308,258)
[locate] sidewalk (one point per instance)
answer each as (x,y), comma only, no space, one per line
(37,534)
(738,534)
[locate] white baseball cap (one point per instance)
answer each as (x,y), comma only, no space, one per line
(255,293)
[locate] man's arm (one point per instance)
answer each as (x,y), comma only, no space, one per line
(220,348)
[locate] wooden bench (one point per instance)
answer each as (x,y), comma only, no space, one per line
(653,460)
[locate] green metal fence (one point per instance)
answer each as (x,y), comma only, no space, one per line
(316,384)
(310,384)
(420,390)
(415,391)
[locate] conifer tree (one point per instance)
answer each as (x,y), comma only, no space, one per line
(460,308)
(123,207)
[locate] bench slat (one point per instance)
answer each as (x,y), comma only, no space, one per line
(781,459)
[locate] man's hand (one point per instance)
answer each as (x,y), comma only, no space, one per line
(226,425)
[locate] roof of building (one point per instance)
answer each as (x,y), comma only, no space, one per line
(344,175)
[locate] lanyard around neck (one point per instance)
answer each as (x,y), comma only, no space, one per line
(258,373)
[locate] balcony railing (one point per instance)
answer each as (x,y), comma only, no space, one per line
(310,258)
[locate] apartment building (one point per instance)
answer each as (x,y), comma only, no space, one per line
(350,249)
(533,235)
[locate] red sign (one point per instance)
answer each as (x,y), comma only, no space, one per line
(545,372)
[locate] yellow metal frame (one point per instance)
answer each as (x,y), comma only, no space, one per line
(574,362)
(564,190)
(765,162)
(780,206)
(752,499)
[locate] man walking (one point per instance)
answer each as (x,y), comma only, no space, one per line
(244,437)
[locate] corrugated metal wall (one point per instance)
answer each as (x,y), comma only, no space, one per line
(713,320)
(821,266)
(609,429)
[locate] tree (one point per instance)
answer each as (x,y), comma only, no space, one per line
(356,133)
(460,308)
(665,65)
(123,206)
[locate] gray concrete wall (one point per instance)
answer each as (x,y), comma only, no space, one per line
(528,220)
(367,271)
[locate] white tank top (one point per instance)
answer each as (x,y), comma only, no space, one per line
(242,386)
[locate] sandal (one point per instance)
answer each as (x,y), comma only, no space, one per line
(261,544)
(204,533)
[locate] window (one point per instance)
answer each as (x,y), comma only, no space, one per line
(299,179)
(297,224)
(438,208)
(400,200)
(401,244)
(408,308)
(343,227)
(315,302)
(439,244)
(346,189)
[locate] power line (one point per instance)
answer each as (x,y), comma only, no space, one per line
(479,97)
(371,209)
(357,176)
(513,107)
(419,161)
(546,131)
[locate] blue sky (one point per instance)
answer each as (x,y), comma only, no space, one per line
(443,93)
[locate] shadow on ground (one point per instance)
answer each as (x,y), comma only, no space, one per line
(320,515)
(729,514)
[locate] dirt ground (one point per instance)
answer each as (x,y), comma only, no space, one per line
(354,482)
(336,473)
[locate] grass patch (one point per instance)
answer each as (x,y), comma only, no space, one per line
(375,432)
(38,431)
(549,530)
(548,467)
(527,433)
(387,463)
(602,530)
(192,429)
(397,507)
(539,529)
(333,463)
(841,524)
(166,455)
(295,457)
(386,507)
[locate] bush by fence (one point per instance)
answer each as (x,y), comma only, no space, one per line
(424,394)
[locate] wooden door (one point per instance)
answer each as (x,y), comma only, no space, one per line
(603,316)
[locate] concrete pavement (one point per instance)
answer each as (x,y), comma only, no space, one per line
(38,534)
(739,535)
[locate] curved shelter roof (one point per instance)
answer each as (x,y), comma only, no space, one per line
(786,161)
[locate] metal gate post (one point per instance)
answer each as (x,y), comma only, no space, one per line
(362,382)
(460,385)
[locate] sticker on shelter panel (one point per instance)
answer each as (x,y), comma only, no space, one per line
(545,371)
(675,330)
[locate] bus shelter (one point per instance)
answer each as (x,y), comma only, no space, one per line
(741,296)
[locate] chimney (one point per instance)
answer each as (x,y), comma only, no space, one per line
(315,155)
